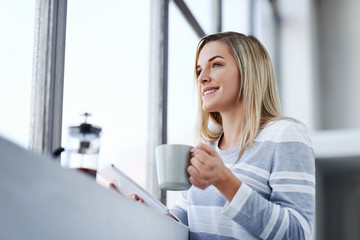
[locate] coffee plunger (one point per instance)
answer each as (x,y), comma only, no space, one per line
(82,147)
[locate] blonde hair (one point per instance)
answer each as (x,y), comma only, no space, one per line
(258,89)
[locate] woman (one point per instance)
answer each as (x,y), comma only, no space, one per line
(253,175)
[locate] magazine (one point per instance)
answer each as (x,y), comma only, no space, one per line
(125,185)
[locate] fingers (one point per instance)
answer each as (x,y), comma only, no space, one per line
(205,166)
(197,163)
(136,198)
(198,181)
(112,186)
(204,147)
(194,182)
(131,195)
(196,176)
(202,152)
(193,171)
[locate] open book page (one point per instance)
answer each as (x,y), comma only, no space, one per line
(125,185)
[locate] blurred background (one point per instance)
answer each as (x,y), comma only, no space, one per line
(314,46)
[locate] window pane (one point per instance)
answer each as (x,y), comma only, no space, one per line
(16,48)
(265,24)
(235,16)
(182,95)
(106,74)
(182,98)
(201,9)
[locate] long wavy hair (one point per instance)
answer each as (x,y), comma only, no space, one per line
(258,90)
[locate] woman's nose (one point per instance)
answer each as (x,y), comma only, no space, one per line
(203,77)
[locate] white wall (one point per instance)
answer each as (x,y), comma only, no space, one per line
(297,82)
(339,71)
(320,56)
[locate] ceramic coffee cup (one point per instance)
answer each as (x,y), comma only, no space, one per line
(172,161)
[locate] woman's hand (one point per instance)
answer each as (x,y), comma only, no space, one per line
(207,168)
(131,196)
(135,198)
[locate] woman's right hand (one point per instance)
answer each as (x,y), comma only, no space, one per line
(132,196)
(135,197)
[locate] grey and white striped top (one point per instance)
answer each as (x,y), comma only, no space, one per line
(276,199)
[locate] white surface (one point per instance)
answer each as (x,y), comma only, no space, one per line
(337,143)
(41,200)
(297,61)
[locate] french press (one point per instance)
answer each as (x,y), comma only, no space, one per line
(82,147)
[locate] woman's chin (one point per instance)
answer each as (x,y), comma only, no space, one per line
(208,108)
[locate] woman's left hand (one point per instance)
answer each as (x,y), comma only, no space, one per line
(206,167)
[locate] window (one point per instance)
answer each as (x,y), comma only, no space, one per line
(106,74)
(17,37)
(182,95)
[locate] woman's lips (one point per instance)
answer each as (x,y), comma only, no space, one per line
(208,91)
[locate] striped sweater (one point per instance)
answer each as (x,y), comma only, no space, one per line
(276,199)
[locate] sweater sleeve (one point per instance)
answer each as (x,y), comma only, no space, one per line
(179,210)
(289,211)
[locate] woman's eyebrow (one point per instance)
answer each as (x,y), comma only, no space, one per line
(214,57)
(211,59)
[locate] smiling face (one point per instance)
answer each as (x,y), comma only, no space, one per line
(218,78)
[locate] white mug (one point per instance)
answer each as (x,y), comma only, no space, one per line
(172,161)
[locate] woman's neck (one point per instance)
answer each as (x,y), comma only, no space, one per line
(232,127)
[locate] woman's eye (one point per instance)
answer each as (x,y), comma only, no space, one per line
(198,72)
(215,65)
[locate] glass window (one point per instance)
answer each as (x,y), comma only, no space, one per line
(236,15)
(16,47)
(267,26)
(106,74)
(182,95)
(201,9)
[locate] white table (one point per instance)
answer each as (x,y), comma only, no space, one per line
(41,200)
